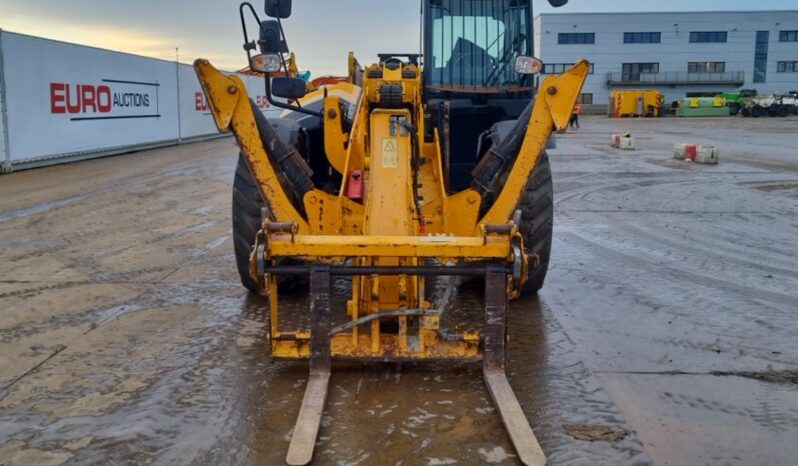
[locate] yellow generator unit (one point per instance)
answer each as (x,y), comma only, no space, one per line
(410,172)
(635,103)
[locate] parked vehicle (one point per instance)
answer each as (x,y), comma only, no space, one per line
(771,105)
(736,100)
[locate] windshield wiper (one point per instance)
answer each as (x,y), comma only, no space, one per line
(493,77)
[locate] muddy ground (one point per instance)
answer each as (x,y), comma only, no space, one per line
(666,332)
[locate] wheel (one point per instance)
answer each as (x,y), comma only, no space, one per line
(734,109)
(248,211)
(247,205)
(746,112)
(537,220)
(758,111)
(784,111)
(773,110)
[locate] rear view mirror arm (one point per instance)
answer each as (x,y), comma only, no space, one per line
(285,41)
(248,45)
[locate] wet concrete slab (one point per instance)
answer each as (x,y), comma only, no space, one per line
(705,419)
(125,337)
(672,282)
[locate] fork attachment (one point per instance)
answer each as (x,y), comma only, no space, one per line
(493,358)
(303,441)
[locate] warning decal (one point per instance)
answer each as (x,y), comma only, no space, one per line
(390,153)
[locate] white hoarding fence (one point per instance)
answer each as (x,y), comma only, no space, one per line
(63,100)
(5,160)
(195,114)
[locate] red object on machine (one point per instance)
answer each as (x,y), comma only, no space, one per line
(690,151)
(327,80)
(354,189)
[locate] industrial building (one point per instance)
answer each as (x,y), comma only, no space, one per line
(679,53)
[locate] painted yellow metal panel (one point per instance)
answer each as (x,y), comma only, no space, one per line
(230,104)
(552,111)
(390,246)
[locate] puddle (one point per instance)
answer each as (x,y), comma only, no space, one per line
(594,433)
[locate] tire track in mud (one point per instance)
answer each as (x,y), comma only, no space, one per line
(693,277)
(44,207)
(700,246)
(574,394)
(736,328)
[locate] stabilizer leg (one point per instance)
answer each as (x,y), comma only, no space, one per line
(513,417)
(300,451)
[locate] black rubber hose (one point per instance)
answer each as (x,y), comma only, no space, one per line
(492,171)
(292,170)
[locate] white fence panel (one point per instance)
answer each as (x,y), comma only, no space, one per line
(5,161)
(256,88)
(195,114)
(65,99)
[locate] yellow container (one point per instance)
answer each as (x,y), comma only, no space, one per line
(642,103)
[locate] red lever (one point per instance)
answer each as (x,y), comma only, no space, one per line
(354,189)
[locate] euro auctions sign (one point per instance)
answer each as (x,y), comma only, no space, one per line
(109,99)
(64,99)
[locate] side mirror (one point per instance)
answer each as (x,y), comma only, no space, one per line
(271,41)
(289,88)
(278,8)
(557,3)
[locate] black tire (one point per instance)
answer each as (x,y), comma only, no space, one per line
(248,212)
(734,109)
(537,221)
(247,205)
(784,111)
(746,112)
(758,111)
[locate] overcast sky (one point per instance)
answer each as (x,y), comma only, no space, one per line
(320,31)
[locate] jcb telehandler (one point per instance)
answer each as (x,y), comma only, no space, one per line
(422,165)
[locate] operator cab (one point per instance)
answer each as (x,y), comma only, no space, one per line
(470,81)
(471,47)
(477,71)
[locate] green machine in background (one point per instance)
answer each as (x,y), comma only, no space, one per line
(703,107)
(736,100)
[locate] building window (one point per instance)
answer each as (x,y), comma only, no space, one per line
(642,37)
(577,38)
(706,67)
(560,68)
(761,56)
(632,71)
(708,36)
(585,99)
(787,67)
(788,36)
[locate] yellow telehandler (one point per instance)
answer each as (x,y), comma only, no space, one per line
(421,166)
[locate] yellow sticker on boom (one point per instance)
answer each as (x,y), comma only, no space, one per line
(390,153)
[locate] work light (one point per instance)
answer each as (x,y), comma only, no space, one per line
(266,63)
(527,65)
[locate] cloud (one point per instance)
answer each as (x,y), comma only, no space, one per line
(95,35)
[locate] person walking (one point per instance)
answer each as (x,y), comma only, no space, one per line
(575,115)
